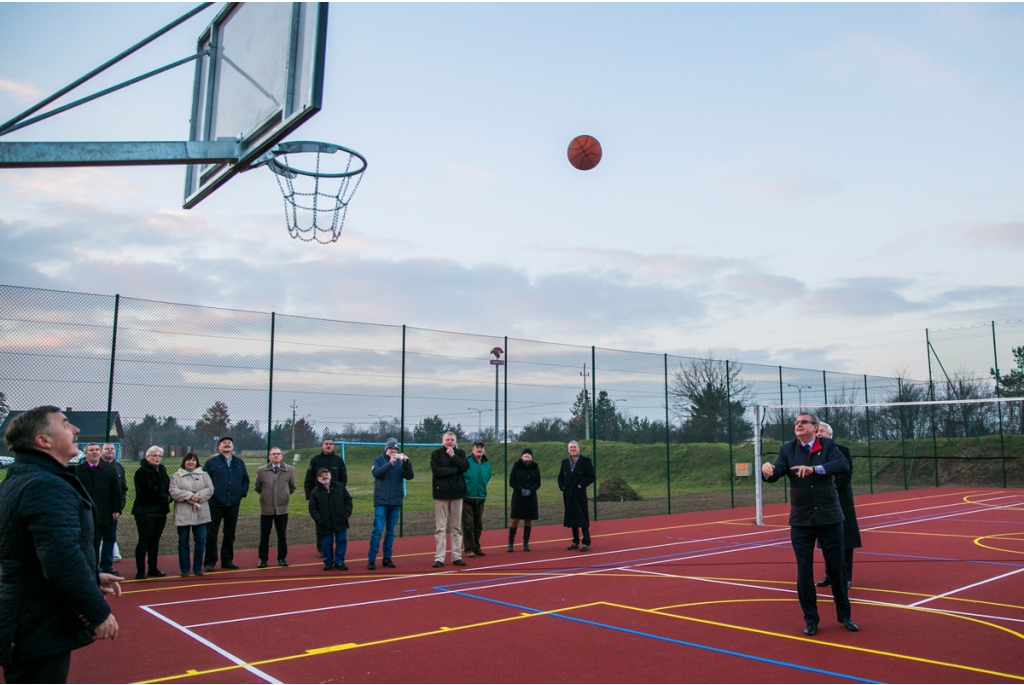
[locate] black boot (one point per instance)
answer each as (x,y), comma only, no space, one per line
(526,538)
(511,538)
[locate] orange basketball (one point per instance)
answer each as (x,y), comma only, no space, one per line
(584,152)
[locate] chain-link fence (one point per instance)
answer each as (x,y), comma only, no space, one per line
(666,433)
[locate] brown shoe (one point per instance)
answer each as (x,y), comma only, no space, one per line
(481,554)
(470,554)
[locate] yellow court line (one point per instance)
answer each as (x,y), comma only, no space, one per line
(854,648)
(999,536)
(353,645)
(855,587)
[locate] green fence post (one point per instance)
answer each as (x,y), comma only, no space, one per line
(505,441)
(867,421)
(728,413)
(999,405)
(593,417)
(270,384)
(668,447)
(113,355)
(401,431)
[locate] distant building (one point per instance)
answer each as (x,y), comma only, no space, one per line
(91,423)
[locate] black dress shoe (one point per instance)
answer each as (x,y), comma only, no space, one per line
(388,563)
(459,562)
(810,629)
(574,545)
(229,565)
(585,548)
(262,564)
(371,566)
(824,582)
(850,625)
(340,567)
(140,576)
(282,562)
(208,567)
(156,574)
(438,564)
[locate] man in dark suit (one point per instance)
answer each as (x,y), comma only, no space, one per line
(103,485)
(814,514)
(575,476)
(851,531)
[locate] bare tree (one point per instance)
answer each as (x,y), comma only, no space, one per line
(701,395)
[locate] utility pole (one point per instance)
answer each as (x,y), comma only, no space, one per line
(294,407)
(586,405)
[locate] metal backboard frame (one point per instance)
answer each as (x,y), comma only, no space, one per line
(262,76)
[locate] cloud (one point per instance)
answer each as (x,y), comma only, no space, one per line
(888,59)
(22,92)
(1005,236)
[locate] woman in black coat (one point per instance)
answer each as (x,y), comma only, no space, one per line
(524,479)
(152,497)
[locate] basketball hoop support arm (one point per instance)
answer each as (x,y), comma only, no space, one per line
(59,154)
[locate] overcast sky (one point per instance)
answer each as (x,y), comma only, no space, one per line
(804,184)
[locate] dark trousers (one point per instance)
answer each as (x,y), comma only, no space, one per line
(280,524)
(472,524)
(229,515)
(105,564)
(150,530)
(830,537)
(48,669)
(108,539)
(576,535)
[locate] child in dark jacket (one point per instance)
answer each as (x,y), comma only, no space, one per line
(330,505)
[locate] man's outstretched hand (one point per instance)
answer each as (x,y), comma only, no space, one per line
(768,469)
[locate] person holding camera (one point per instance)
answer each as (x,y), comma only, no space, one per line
(390,471)
(524,479)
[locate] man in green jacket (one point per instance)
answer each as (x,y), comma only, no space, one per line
(477,476)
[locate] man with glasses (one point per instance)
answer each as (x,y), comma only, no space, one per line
(810,463)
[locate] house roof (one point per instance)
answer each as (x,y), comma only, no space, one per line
(90,423)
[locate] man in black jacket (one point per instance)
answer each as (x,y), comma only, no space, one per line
(574,477)
(108,453)
(230,486)
(327,459)
(101,483)
(814,514)
(447,464)
(51,597)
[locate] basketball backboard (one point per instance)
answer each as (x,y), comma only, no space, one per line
(261,76)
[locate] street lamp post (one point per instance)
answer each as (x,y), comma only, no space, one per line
(800,391)
(479,420)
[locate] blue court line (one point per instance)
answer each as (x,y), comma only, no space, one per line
(662,638)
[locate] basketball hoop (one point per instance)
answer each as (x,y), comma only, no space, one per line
(307,209)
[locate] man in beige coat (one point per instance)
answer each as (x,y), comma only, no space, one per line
(275,483)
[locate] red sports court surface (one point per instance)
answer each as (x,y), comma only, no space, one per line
(938,593)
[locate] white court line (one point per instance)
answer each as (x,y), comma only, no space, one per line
(682,556)
(939,506)
(223,652)
(858,600)
(967,587)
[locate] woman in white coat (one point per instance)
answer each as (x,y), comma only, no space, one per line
(191,490)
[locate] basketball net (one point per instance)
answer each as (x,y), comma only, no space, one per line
(316,202)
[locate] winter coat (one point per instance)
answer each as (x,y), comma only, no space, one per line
(524,476)
(477,477)
(851,531)
(183,486)
(573,482)
(152,487)
(103,486)
(330,508)
(230,484)
(447,474)
(331,462)
(387,480)
(116,465)
(50,600)
(274,489)
(813,499)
